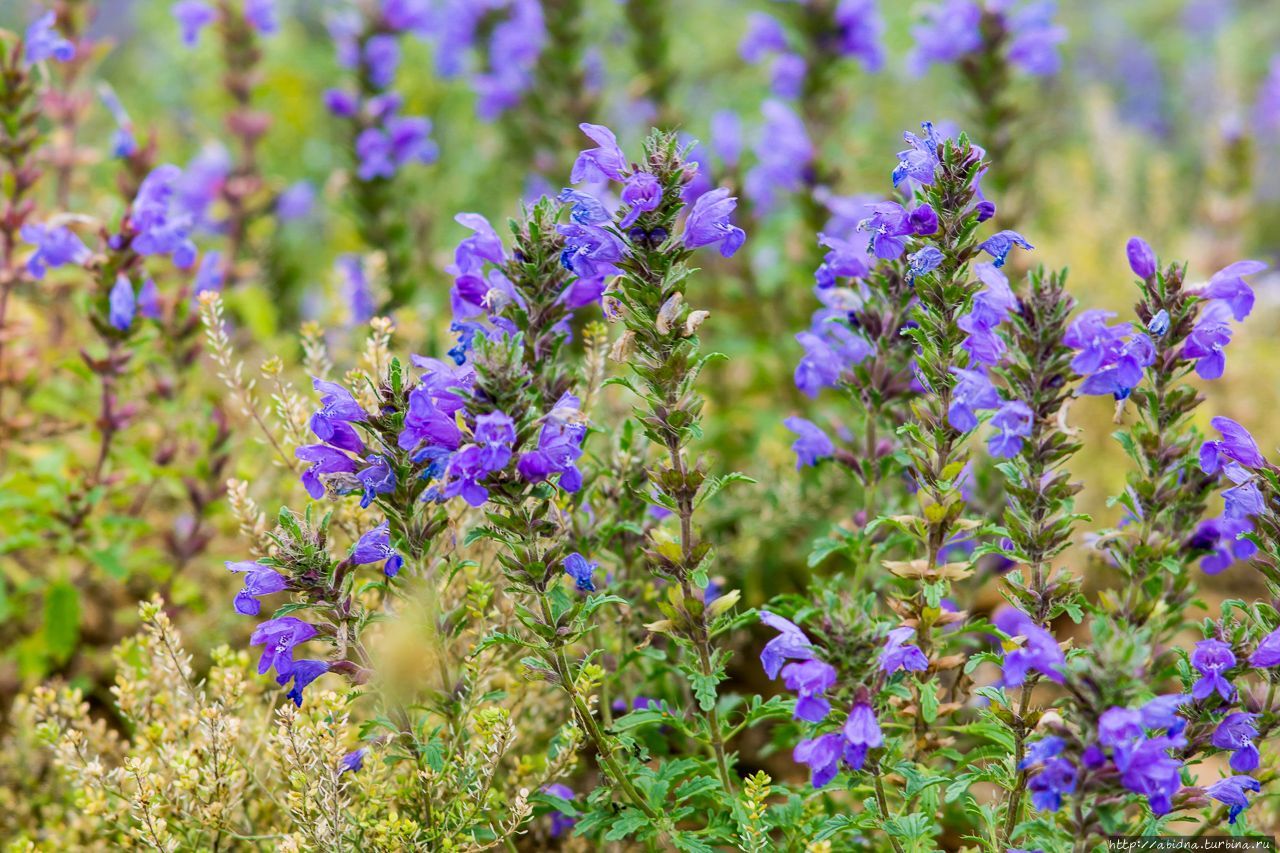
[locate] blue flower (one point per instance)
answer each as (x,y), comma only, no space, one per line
(973,392)
(923,262)
(375,546)
(1147,768)
(642,193)
(1037,652)
(1228,285)
(810,679)
(259,580)
(324,460)
(790,644)
(991,307)
(1213,658)
(1056,777)
(43,41)
(899,654)
(784,156)
(919,161)
(278,637)
(1208,340)
(948,32)
(353,761)
(1231,793)
(861,734)
(604,162)
(1236,445)
(160,226)
(377,479)
(192,17)
(55,247)
(822,755)
(1142,260)
(708,223)
(999,245)
(559,446)
(812,443)
(122,303)
(581,570)
(302,673)
(1236,733)
(1013,422)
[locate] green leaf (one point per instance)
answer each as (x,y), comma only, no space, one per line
(61,620)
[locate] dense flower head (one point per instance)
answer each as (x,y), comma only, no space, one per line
(1147,768)
(1112,358)
(1212,659)
(952,29)
(489,451)
(1037,652)
(43,41)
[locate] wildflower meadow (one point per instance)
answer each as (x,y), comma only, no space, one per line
(695,425)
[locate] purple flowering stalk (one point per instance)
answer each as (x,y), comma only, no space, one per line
(382,140)
(660,345)
(1038,523)
(1183,330)
(989,42)
(65,102)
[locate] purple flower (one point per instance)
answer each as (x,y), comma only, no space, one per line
(410,140)
(1013,422)
(296,201)
(1208,340)
(604,162)
(812,443)
(643,193)
(209,276)
(899,654)
(302,673)
(947,32)
(1159,324)
(1221,537)
(1038,652)
(1231,792)
(708,223)
(429,432)
(161,228)
(1119,727)
(192,17)
(561,822)
(860,30)
(810,679)
(822,755)
(890,225)
(1228,285)
(353,761)
(726,137)
(861,734)
(1142,260)
(481,246)
(790,644)
(784,155)
(1211,659)
(923,262)
(1041,751)
(1035,38)
(991,307)
(1056,777)
(55,247)
(149,299)
(590,250)
(1236,733)
(581,570)
(1161,713)
(341,103)
(489,451)
(338,410)
(1236,445)
(355,287)
(999,245)
(1147,768)
(324,460)
(972,393)
(1268,652)
(764,36)
(278,637)
(919,161)
(845,260)
(382,58)
(261,15)
(1099,345)
(377,479)
(559,447)
(259,580)
(43,41)
(122,304)
(374,546)
(123,143)
(924,220)
(786,77)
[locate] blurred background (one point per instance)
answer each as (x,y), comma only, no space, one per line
(1163,121)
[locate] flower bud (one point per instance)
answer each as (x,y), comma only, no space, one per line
(1141,259)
